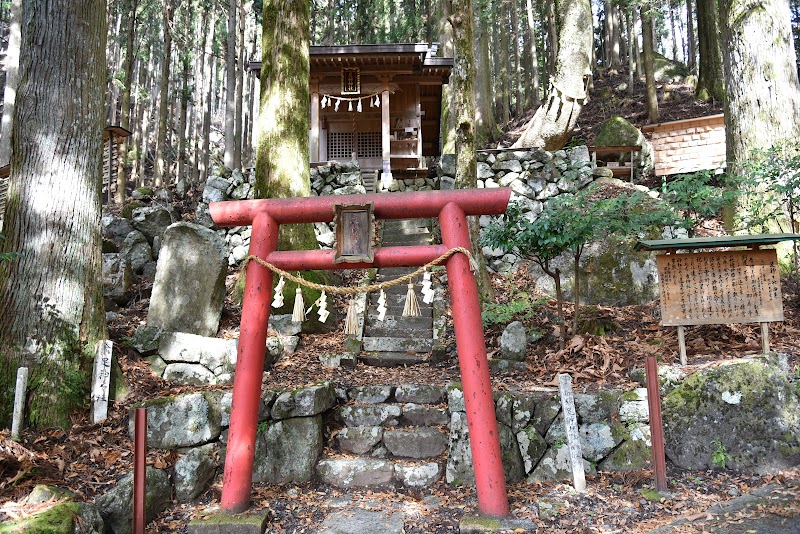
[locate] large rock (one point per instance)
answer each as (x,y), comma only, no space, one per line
(215,354)
(304,402)
(617,131)
(115,228)
(417,475)
(514,341)
(355,472)
(359,439)
(287,450)
(193,471)
(189,289)
(136,251)
(746,412)
(68,516)
(117,278)
(152,221)
(115,505)
(417,443)
(184,421)
(459,470)
(555,466)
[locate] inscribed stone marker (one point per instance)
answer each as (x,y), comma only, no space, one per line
(102,380)
(571,427)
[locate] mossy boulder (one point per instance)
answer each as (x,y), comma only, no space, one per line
(748,409)
(617,131)
(67,517)
(669,71)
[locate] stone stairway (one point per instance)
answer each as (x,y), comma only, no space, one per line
(391,436)
(399,340)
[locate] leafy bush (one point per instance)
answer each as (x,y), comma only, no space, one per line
(697,197)
(520,308)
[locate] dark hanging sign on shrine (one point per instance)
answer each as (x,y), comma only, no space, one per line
(351,81)
(355,233)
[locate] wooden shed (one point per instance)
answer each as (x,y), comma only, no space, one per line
(379,104)
(688,145)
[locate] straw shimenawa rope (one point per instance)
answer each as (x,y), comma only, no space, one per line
(336,290)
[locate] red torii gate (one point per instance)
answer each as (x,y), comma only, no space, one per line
(452,208)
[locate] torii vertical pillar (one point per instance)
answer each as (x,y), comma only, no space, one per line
(484,439)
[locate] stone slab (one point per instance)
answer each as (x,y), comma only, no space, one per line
(251,523)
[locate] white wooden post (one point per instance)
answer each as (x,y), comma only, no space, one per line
(19,402)
(102,380)
(765,338)
(682,344)
(571,426)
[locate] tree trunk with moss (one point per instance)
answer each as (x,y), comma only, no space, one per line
(762,105)
(462,86)
(552,125)
(649,73)
(282,166)
(51,296)
(710,84)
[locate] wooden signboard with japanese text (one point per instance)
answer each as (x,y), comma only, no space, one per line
(740,286)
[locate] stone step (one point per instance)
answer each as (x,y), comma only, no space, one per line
(393,272)
(344,472)
(396,344)
(391,359)
(400,322)
(378,330)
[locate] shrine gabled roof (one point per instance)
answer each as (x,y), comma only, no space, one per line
(420,58)
(715,242)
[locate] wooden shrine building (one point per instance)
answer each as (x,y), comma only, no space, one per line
(379,104)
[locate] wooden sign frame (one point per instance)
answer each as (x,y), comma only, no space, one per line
(355,233)
(738,286)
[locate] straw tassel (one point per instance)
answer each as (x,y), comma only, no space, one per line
(411,308)
(351,322)
(299,312)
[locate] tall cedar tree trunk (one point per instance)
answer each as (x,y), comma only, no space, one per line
(462,81)
(230,86)
(210,71)
(616,37)
(163,94)
(649,75)
(486,128)
(448,125)
(51,297)
(553,122)
(632,46)
(12,80)
(710,80)
(237,137)
(125,112)
(534,98)
(505,80)
(138,122)
(186,60)
(282,167)
(517,62)
(607,32)
(692,45)
(673,31)
(552,38)
(762,108)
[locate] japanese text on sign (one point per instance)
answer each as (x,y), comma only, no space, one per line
(720,287)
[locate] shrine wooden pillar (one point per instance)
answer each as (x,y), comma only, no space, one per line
(386,136)
(313,145)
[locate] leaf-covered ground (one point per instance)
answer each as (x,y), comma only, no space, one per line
(88,459)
